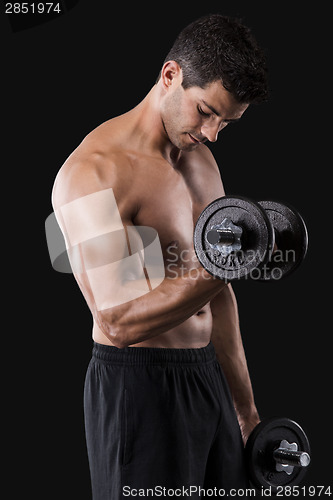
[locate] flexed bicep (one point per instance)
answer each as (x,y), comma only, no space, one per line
(113,261)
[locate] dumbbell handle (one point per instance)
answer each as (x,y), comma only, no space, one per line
(225,237)
(290,457)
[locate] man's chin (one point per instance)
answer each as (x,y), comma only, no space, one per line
(185,143)
(189,143)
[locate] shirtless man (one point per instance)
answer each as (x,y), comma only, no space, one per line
(168,396)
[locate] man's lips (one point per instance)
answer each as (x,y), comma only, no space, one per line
(195,141)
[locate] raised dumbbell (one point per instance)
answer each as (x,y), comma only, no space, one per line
(277,454)
(234,238)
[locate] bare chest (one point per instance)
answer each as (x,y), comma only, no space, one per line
(169,204)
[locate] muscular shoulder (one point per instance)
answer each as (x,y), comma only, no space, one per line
(90,169)
(202,174)
(204,154)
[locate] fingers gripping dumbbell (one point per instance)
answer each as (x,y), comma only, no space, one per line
(277,454)
(234,237)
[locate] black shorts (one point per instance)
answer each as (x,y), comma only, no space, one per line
(158,420)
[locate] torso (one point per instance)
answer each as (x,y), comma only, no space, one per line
(169,198)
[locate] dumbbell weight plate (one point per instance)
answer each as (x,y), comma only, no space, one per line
(264,439)
(291,239)
(257,238)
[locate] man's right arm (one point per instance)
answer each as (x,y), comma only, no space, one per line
(163,308)
(109,261)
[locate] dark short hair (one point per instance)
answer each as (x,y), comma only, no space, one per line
(217,47)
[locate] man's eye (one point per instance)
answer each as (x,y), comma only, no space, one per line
(202,112)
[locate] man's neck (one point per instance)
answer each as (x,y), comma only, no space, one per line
(148,129)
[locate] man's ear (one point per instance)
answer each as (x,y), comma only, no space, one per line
(171,74)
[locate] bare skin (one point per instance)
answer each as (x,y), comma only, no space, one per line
(163,176)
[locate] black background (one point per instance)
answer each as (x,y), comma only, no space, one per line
(64,77)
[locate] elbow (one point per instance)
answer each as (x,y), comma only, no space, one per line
(119,337)
(111,326)
(119,342)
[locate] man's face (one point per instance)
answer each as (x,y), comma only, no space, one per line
(195,115)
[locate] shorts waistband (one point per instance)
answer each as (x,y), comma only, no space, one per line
(153,355)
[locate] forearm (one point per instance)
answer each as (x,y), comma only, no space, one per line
(228,344)
(163,308)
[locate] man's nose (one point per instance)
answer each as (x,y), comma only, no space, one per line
(211,132)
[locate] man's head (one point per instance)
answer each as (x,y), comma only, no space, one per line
(219,48)
(214,70)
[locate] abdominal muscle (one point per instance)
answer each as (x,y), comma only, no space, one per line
(193,333)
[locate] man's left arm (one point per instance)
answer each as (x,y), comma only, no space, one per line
(227,340)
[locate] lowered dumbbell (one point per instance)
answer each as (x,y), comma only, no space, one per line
(277,454)
(234,238)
